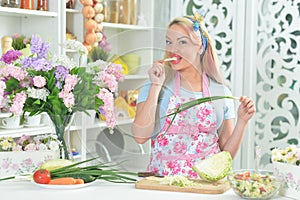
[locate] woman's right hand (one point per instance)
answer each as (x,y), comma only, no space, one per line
(157,73)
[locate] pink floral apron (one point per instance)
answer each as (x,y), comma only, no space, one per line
(191,137)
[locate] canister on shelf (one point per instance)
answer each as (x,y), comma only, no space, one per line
(42,5)
(125,10)
(114,7)
(134,12)
(6,44)
(27,4)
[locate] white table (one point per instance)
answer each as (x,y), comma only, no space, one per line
(100,190)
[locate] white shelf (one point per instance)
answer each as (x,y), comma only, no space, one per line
(72,11)
(25,130)
(71,51)
(5,115)
(125,26)
(17,12)
(135,77)
(102,124)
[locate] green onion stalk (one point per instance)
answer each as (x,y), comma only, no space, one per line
(190,104)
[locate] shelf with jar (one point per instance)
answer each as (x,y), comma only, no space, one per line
(18,12)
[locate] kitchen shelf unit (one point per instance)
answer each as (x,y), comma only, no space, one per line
(51,25)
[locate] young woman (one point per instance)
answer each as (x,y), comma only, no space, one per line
(202,130)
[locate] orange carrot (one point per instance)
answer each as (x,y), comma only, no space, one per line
(62,181)
(79,181)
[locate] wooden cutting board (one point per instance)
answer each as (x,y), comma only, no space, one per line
(202,187)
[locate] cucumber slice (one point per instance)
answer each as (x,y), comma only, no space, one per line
(215,167)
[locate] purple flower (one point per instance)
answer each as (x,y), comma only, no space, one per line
(101,110)
(39,47)
(26,62)
(10,56)
(41,65)
(61,73)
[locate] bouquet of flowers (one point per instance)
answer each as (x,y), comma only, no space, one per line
(290,154)
(42,82)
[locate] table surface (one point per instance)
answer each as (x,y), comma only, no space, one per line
(26,190)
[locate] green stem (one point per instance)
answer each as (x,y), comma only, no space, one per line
(193,103)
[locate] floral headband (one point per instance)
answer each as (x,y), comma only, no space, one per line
(197,21)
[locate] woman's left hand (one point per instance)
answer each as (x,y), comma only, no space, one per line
(246,109)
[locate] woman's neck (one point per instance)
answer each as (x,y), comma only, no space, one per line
(191,80)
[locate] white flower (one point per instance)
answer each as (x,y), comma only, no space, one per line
(42,93)
(290,154)
(53,145)
(63,60)
(77,46)
(42,147)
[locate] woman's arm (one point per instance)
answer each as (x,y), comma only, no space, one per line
(144,122)
(231,137)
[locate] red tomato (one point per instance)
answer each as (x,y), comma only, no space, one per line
(42,176)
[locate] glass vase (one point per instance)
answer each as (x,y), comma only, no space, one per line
(62,125)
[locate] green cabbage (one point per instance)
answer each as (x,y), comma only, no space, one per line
(55,164)
(215,167)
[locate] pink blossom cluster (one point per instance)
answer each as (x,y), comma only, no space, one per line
(39,81)
(13,71)
(109,80)
(108,108)
(18,103)
(2,88)
(116,70)
(66,94)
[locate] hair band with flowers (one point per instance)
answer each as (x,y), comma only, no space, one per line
(197,23)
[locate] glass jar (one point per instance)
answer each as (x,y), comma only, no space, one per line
(125,10)
(10,3)
(114,7)
(27,4)
(106,11)
(42,5)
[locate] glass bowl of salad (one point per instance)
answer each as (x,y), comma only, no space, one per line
(251,184)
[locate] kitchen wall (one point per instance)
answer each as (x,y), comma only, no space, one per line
(258,45)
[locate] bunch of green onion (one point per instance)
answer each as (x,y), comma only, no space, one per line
(90,173)
(192,103)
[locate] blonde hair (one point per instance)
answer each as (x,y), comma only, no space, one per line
(208,59)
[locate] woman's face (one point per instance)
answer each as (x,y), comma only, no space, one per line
(180,45)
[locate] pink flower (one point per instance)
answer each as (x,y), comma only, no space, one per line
(180,147)
(28,162)
(39,81)
(109,80)
(30,147)
(13,71)
(116,70)
(18,103)
(70,82)
(2,88)
(108,106)
(16,35)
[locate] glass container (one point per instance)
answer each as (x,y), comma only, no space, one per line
(10,3)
